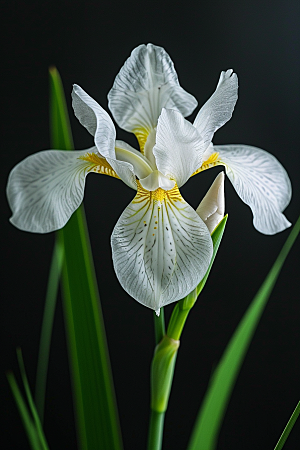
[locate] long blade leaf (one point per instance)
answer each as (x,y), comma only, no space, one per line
(47,325)
(31,422)
(60,132)
(24,413)
(94,399)
(36,419)
(208,422)
(288,428)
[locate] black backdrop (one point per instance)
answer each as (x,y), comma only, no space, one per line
(88,42)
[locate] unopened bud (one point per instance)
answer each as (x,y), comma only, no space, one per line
(211,209)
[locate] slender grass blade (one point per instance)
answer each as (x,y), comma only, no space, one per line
(24,413)
(30,418)
(288,428)
(209,420)
(47,325)
(36,419)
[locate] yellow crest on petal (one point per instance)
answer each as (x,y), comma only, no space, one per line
(99,164)
(159,195)
(212,161)
(141,135)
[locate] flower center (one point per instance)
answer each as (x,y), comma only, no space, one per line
(159,195)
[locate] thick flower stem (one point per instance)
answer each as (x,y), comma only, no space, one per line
(177,322)
(162,370)
(156,430)
(179,315)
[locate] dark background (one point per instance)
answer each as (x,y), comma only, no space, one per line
(89,42)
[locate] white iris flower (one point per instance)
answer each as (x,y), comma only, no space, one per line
(161,247)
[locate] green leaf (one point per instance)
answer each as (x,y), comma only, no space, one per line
(47,326)
(24,413)
(61,137)
(288,428)
(216,236)
(208,422)
(31,422)
(93,392)
(36,419)
(60,128)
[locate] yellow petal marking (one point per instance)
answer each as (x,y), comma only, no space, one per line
(159,195)
(212,161)
(98,164)
(141,135)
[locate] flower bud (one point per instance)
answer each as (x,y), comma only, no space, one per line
(211,209)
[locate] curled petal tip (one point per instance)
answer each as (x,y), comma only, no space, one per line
(212,207)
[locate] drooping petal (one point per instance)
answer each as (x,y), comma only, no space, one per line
(46,188)
(179,147)
(261,182)
(212,207)
(219,107)
(99,124)
(96,120)
(161,248)
(145,84)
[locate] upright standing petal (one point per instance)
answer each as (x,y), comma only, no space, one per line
(261,182)
(46,188)
(161,248)
(219,108)
(179,148)
(145,84)
(212,207)
(99,124)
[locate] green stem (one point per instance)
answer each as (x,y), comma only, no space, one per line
(159,326)
(47,325)
(177,322)
(288,428)
(156,424)
(156,428)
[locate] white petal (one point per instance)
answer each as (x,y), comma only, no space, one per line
(124,152)
(261,182)
(149,145)
(99,124)
(125,171)
(157,180)
(178,149)
(219,108)
(96,120)
(161,248)
(46,188)
(145,84)
(211,209)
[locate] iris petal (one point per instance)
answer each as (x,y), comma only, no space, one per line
(145,84)
(161,248)
(219,107)
(261,182)
(99,124)
(179,147)
(46,188)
